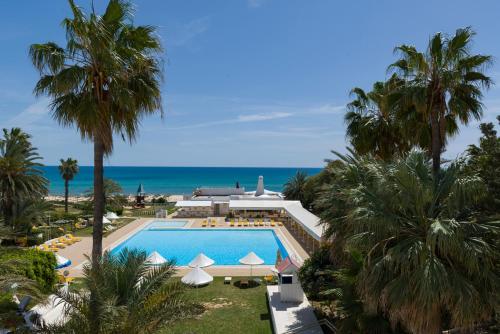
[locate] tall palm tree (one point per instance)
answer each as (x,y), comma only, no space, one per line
(132,297)
(372,123)
(443,84)
(68,169)
(295,186)
(21,178)
(103,82)
(426,264)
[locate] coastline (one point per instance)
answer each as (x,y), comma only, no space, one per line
(130,198)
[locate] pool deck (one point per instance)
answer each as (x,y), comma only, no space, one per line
(76,252)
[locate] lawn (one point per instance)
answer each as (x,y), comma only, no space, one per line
(229,309)
(87,231)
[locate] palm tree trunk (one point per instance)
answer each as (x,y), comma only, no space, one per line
(98,200)
(66,192)
(435,141)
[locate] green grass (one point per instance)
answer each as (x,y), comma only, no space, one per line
(87,231)
(229,309)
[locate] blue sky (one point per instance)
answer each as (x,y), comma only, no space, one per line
(247,82)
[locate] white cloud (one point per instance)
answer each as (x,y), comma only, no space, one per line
(262,117)
(183,34)
(328,109)
(31,115)
(240,119)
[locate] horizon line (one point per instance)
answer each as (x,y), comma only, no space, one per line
(303,167)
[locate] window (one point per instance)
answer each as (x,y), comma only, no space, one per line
(286,279)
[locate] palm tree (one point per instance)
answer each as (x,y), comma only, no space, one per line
(132,297)
(443,84)
(103,82)
(294,187)
(21,178)
(372,123)
(68,169)
(427,265)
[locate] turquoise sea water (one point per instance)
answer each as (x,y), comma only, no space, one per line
(175,180)
(225,247)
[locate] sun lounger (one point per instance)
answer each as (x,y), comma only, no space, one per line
(261,223)
(46,248)
(213,223)
(280,224)
(231,223)
(204,223)
(66,241)
(57,244)
(71,237)
(273,224)
(245,223)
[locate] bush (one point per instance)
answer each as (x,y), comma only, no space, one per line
(37,265)
(6,303)
(316,274)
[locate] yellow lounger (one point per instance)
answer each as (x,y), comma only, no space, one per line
(66,241)
(57,244)
(46,248)
(71,237)
(231,223)
(204,223)
(213,223)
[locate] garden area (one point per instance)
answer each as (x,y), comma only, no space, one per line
(227,309)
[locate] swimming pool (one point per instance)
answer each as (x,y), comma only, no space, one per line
(161,224)
(224,246)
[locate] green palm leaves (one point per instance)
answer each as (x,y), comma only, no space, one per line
(443,84)
(424,260)
(106,78)
(103,82)
(21,179)
(68,169)
(372,124)
(130,295)
(424,101)
(294,188)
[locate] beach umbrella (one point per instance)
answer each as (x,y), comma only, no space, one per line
(197,276)
(201,260)
(251,259)
(62,261)
(156,259)
(111,216)
(106,220)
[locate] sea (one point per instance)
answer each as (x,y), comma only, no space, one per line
(174,180)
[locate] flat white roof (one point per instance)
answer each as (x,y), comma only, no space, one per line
(308,220)
(258,204)
(193,204)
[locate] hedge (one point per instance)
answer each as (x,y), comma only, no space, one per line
(37,265)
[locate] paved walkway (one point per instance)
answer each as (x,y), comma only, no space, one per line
(291,317)
(76,252)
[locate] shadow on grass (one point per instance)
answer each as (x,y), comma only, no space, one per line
(246,284)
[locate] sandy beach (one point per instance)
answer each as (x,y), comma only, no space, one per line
(131,198)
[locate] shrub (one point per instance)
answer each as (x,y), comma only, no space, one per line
(316,274)
(37,265)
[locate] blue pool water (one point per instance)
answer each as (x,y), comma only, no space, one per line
(225,247)
(161,224)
